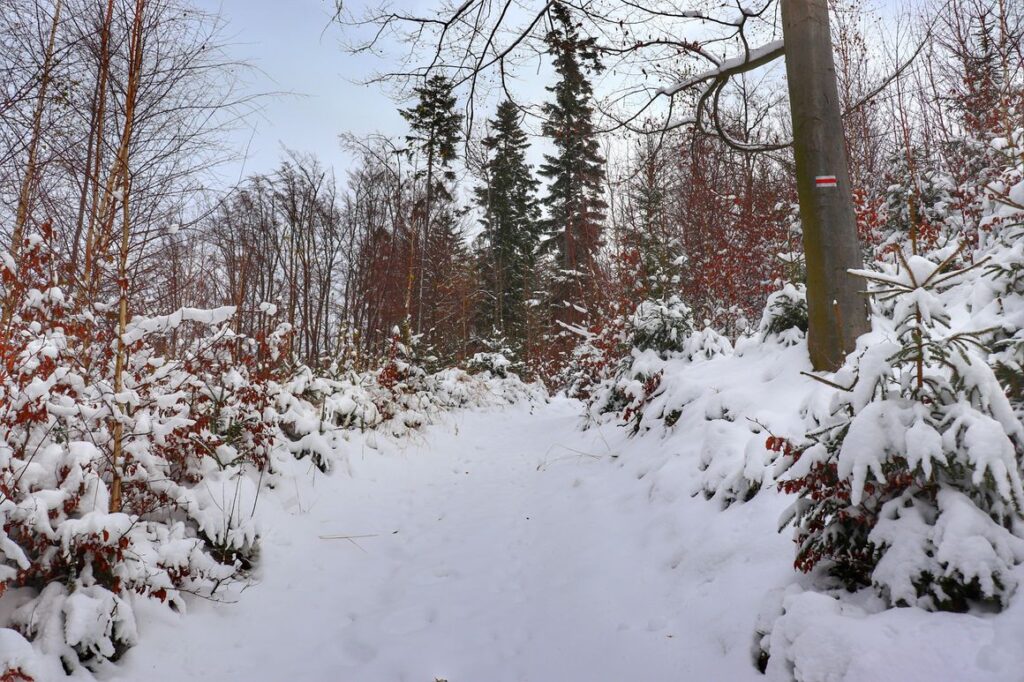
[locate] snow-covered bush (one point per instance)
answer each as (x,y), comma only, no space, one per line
(495,363)
(99,488)
(594,358)
(19,662)
(785,315)
(658,340)
(401,384)
(912,482)
(497,357)
(315,409)
(999,300)
(704,345)
(662,326)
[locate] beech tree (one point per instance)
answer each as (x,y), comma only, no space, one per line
(278,240)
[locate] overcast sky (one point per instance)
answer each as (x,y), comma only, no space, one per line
(295,50)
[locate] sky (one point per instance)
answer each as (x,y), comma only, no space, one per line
(313,88)
(311,85)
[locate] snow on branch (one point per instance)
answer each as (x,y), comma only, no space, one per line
(140,328)
(756,57)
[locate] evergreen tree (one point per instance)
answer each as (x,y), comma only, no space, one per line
(917,199)
(507,246)
(978,96)
(435,130)
(649,233)
(912,483)
(574,202)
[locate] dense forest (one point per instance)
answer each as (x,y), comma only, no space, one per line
(459,241)
(174,348)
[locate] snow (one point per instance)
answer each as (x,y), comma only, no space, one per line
(506,545)
(990,452)
(509,543)
(969,543)
(88,606)
(823,639)
(142,326)
(458,526)
(867,443)
(500,546)
(726,66)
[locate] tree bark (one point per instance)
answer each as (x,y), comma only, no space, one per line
(29,179)
(837,309)
(122,178)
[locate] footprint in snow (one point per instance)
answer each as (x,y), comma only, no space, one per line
(359,652)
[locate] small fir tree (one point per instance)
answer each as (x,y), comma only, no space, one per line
(912,483)
(649,232)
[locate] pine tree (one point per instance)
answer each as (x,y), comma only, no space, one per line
(508,244)
(435,130)
(574,201)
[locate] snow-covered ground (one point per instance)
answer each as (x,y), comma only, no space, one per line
(500,545)
(509,545)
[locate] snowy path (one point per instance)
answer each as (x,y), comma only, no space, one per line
(505,547)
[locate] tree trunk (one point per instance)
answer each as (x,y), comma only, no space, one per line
(29,179)
(837,310)
(123,180)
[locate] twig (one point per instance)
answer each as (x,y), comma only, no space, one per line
(827,382)
(351,538)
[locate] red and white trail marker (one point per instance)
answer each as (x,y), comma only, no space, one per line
(825,181)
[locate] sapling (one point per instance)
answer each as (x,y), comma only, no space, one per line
(911,483)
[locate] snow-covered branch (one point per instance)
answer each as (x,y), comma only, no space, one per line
(757,57)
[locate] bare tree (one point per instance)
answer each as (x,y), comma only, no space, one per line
(472,39)
(186,97)
(117,103)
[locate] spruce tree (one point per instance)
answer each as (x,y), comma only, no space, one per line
(435,130)
(507,246)
(911,483)
(575,171)
(649,232)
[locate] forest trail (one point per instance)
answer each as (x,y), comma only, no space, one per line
(497,546)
